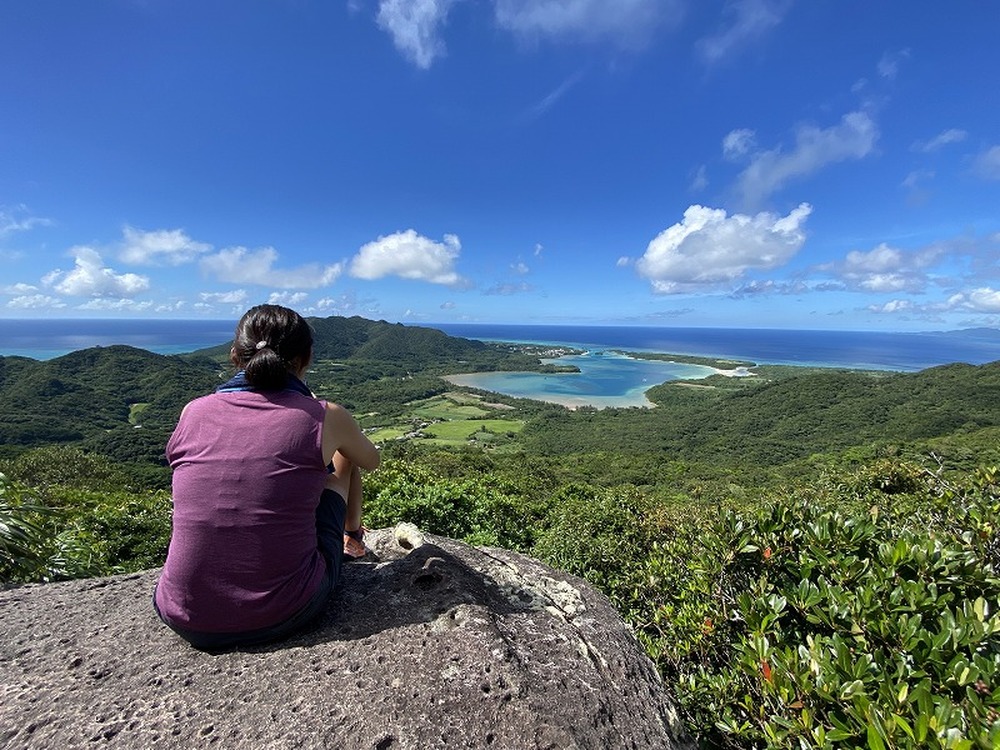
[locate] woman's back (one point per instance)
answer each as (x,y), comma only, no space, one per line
(248,472)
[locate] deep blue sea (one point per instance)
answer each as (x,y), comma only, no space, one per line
(851,349)
(45,339)
(605,379)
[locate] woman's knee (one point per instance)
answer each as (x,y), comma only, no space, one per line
(344,473)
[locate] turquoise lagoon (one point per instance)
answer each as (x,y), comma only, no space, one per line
(605,379)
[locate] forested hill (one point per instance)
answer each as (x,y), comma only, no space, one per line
(395,349)
(773,421)
(98,396)
(123,402)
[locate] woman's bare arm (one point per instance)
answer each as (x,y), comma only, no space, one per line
(341,432)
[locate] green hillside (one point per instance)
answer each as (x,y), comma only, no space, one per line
(89,396)
(392,349)
(775,420)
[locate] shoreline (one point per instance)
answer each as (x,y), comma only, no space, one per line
(632,398)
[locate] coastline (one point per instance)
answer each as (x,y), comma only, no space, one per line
(569,389)
(623,401)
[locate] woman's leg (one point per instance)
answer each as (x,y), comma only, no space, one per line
(346,481)
(330,532)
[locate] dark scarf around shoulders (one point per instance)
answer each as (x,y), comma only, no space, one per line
(239,383)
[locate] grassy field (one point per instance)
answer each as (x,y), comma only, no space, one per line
(462,430)
(135,412)
(453,418)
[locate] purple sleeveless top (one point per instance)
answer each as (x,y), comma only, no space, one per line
(248,472)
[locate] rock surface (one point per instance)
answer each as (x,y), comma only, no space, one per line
(429,643)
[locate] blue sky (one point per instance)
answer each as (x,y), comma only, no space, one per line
(831,164)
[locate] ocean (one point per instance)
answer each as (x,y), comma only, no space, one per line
(605,379)
(46,339)
(864,350)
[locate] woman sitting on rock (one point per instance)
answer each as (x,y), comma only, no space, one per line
(266,494)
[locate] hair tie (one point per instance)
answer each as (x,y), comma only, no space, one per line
(261,344)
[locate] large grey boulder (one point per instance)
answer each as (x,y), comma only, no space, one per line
(430,643)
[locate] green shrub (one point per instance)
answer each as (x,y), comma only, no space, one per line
(477,511)
(77,533)
(802,626)
(22,534)
(601,534)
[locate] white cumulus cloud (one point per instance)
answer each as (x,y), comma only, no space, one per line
(91,278)
(853,138)
(892,306)
(414,26)
(984,299)
(879,260)
(886,269)
(238,265)
(35,302)
(709,248)
(20,288)
(288,299)
(409,255)
(171,246)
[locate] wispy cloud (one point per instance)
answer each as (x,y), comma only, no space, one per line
(945,138)
(987,164)
(508,289)
(415,27)
(234,297)
(738,143)
(627,23)
(18,218)
(888,64)
(543,106)
(239,265)
(700,180)
(854,137)
(170,246)
(744,22)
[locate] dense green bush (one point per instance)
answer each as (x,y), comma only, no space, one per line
(58,521)
(479,511)
(804,626)
(22,534)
